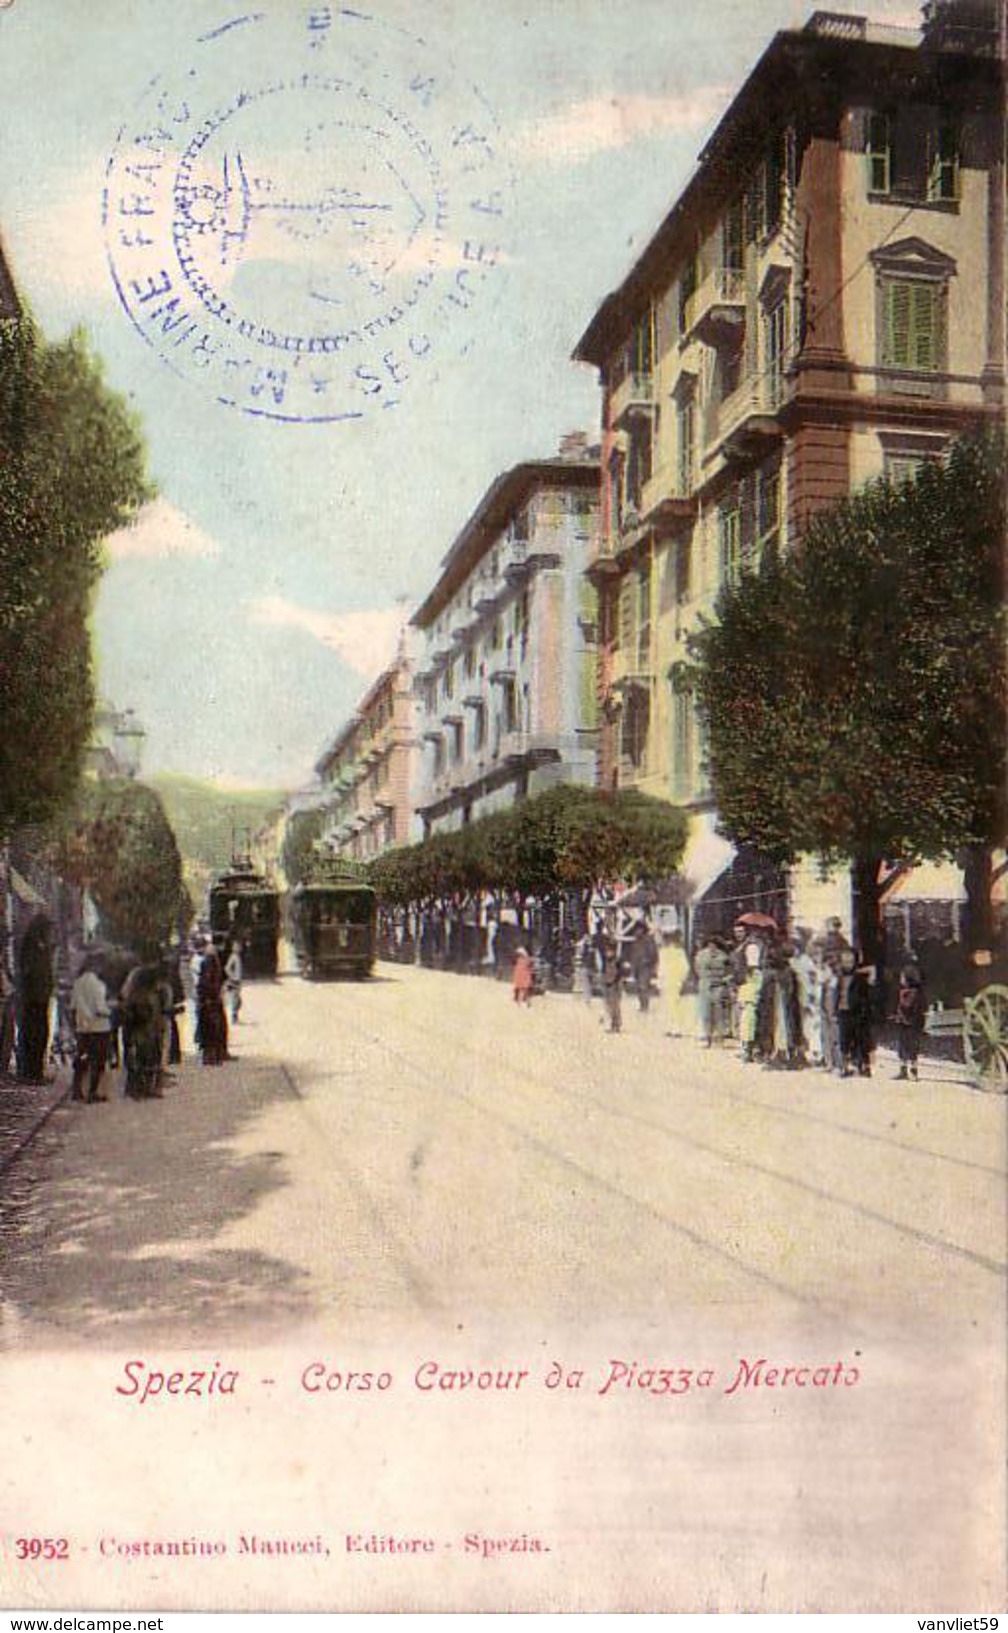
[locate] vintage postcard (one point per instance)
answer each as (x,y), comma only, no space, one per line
(504,1025)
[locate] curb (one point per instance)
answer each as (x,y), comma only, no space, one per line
(24,1140)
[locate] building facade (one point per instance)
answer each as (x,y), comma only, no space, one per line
(824,304)
(366,773)
(116,745)
(506,679)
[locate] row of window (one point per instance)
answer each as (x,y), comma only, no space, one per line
(749,521)
(450,746)
(912,338)
(635,734)
(912,154)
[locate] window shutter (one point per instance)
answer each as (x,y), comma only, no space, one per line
(626,615)
(924,334)
(898,325)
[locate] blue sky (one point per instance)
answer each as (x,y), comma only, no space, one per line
(244,615)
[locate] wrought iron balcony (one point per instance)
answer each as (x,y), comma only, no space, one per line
(717,309)
(632,397)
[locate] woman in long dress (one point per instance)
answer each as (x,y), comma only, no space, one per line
(674,974)
(142,1003)
(212,1026)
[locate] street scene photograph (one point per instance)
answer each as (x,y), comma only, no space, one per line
(503,823)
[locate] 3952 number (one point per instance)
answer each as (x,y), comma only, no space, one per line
(42,1547)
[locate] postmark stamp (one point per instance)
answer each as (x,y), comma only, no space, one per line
(306,214)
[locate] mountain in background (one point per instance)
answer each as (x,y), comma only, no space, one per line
(212,824)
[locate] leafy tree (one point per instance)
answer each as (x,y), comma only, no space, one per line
(71,471)
(117,841)
(853,692)
(302,831)
(566,838)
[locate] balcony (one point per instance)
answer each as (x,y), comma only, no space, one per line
(529,748)
(716,311)
(603,565)
(634,680)
(633,396)
(515,560)
(665,505)
(746,423)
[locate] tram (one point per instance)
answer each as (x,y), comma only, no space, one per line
(334,913)
(245,906)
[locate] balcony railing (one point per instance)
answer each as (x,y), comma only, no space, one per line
(634,394)
(717,309)
(665,500)
(746,419)
(532,746)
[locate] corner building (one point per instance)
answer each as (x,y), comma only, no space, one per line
(823,305)
(507,676)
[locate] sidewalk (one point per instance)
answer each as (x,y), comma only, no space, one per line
(24,1109)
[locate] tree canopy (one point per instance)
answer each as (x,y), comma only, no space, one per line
(302,831)
(569,837)
(116,840)
(71,472)
(853,691)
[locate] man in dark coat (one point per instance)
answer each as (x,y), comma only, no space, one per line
(643,961)
(34,994)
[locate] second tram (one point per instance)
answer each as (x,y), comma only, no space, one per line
(335,913)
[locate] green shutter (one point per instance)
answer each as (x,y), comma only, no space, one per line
(927,327)
(898,323)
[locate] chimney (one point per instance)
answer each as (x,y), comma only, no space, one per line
(574,446)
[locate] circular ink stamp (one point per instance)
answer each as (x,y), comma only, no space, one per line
(310,214)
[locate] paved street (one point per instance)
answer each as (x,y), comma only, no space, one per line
(418,1147)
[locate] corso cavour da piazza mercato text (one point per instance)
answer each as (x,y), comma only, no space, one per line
(143,1383)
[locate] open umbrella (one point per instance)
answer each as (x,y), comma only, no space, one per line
(757,921)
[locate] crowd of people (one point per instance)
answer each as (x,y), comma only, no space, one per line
(783,1001)
(116,1012)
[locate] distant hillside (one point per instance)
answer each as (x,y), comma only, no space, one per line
(204,818)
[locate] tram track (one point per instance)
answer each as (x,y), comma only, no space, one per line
(522,1075)
(416,1282)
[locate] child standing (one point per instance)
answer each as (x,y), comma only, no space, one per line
(909,1019)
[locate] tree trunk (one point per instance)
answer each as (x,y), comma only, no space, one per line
(978,877)
(867,914)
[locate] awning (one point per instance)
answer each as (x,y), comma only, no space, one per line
(940,882)
(707,855)
(24,891)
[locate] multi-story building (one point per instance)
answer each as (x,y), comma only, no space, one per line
(116,745)
(366,773)
(506,680)
(824,304)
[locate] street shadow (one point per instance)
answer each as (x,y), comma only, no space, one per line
(109,1229)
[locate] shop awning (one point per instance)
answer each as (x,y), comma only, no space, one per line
(707,855)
